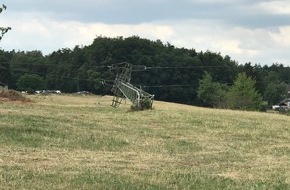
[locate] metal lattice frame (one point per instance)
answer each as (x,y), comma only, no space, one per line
(123,89)
(124,75)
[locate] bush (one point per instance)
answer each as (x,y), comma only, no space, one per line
(12,95)
(263,107)
(144,104)
(30,82)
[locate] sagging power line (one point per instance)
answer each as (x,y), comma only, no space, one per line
(119,66)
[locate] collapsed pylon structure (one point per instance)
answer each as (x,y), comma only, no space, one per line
(123,89)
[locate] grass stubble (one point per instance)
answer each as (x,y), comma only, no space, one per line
(80,142)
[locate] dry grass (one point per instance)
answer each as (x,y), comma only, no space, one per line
(80,142)
(12,95)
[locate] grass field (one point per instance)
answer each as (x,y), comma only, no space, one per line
(80,142)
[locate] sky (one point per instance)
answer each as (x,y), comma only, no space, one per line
(256,31)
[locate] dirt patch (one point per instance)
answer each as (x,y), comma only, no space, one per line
(12,95)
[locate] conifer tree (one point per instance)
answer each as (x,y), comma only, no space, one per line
(243,95)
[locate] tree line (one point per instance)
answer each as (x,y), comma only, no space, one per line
(172,74)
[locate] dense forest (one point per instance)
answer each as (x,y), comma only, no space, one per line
(171,73)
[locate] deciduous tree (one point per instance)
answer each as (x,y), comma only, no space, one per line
(30,82)
(3,30)
(275,92)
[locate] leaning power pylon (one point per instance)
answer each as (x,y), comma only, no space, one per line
(123,89)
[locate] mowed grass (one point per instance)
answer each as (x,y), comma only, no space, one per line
(80,142)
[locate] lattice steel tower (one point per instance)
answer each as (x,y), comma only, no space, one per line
(122,89)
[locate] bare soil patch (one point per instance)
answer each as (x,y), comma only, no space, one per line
(12,95)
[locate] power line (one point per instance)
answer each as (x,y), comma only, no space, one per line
(116,66)
(54,65)
(151,86)
(168,86)
(103,81)
(182,67)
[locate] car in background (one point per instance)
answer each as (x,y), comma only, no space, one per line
(83,93)
(282,106)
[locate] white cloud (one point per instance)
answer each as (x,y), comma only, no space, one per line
(217,1)
(276,7)
(193,24)
(264,46)
(48,35)
(281,37)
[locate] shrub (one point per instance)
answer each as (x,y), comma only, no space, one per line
(12,95)
(144,104)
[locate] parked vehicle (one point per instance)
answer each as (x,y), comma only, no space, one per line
(282,106)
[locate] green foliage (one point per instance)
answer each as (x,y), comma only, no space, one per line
(243,95)
(264,106)
(256,73)
(211,93)
(275,93)
(94,80)
(5,72)
(85,68)
(3,30)
(2,7)
(30,82)
(275,90)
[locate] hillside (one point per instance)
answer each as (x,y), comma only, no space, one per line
(172,74)
(80,142)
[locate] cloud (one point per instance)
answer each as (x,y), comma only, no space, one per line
(276,7)
(248,13)
(281,38)
(261,45)
(49,35)
(247,31)
(242,44)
